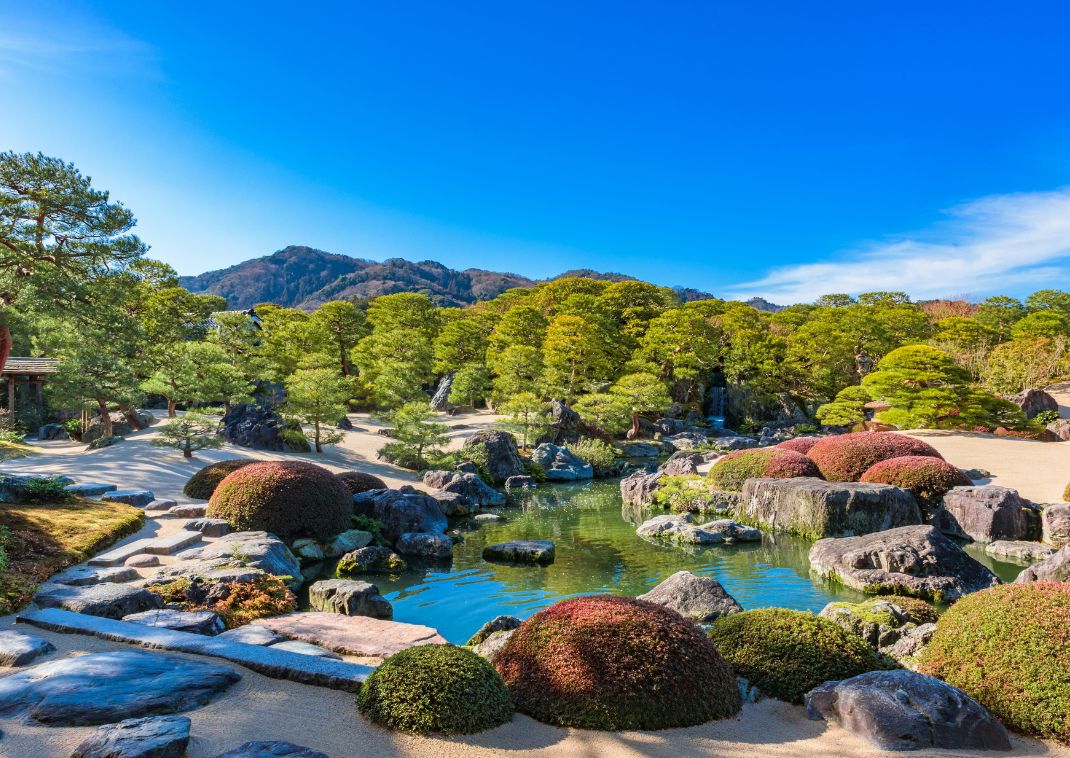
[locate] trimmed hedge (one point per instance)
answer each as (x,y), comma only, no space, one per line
(605,662)
(287,498)
(436,688)
(1008,647)
(203,483)
(799,444)
(927,478)
(786,653)
(359,481)
(845,457)
(732,470)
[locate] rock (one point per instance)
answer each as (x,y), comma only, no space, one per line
(565,424)
(53,432)
(679,528)
(209,527)
(305,648)
(451,503)
(188,510)
(344,424)
(815,508)
(103,442)
(422,545)
(640,450)
(732,531)
(496,624)
(638,488)
(440,401)
(258,425)
(686,441)
(401,512)
(493,644)
(139,498)
(1053,569)
(669,426)
(986,513)
(488,517)
(561,464)
(143,560)
(975,474)
(1060,429)
(502,459)
(251,634)
(737,442)
(683,463)
(1055,522)
(349,598)
(109,600)
(271,749)
(520,482)
(13,487)
(149,737)
(911,642)
(102,688)
(1034,401)
(195,622)
(539,552)
(161,505)
(18,649)
(352,635)
(1019,551)
(474,492)
(909,560)
(90,489)
(347,542)
(466,467)
(881,622)
(307,550)
(120,426)
(259,550)
(370,560)
(699,598)
(904,710)
(81,576)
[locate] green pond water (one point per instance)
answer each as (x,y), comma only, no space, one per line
(597,552)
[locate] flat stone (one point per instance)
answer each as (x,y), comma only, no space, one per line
(259,550)
(196,622)
(488,517)
(1019,551)
(143,560)
(1053,569)
(118,555)
(81,576)
(350,598)
(150,737)
(305,648)
(699,598)
(108,600)
(18,649)
(140,498)
(436,546)
(351,635)
(347,542)
(904,710)
(172,542)
(101,688)
(732,531)
(251,634)
(161,505)
(188,510)
(539,552)
(90,489)
(209,527)
(679,528)
(271,749)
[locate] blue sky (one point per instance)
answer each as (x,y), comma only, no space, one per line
(782,149)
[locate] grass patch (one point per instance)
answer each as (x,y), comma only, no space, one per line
(44,538)
(9,451)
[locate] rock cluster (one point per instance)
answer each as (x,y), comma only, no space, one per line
(561,464)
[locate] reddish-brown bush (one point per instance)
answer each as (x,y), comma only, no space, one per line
(732,470)
(845,457)
(799,444)
(203,483)
(358,481)
(608,662)
(927,478)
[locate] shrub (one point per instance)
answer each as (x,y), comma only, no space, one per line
(236,603)
(287,498)
(43,489)
(785,653)
(203,483)
(601,455)
(436,688)
(845,457)
(1008,647)
(608,662)
(371,525)
(799,444)
(1047,417)
(359,481)
(927,478)
(732,470)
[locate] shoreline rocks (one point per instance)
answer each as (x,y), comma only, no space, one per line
(986,513)
(561,464)
(699,598)
(538,552)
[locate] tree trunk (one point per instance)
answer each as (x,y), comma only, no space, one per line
(319,447)
(635,427)
(105,417)
(5,345)
(130,414)
(187,452)
(171,407)
(345,359)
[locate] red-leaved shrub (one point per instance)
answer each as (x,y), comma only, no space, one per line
(287,498)
(799,444)
(927,478)
(845,457)
(203,483)
(607,662)
(732,470)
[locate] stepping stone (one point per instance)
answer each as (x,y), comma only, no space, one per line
(81,576)
(171,543)
(161,505)
(143,560)
(108,600)
(102,688)
(189,510)
(18,649)
(140,498)
(118,555)
(251,634)
(540,552)
(90,489)
(488,517)
(209,527)
(351,635)
(196,622)
(271,749)
(304,648)
(350,598)
(150,737)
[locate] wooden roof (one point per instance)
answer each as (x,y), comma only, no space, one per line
(30,366)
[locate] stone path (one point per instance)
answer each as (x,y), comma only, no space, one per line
(351,635)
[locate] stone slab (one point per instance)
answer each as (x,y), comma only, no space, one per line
(172,543)
(187,510)
(271,749)
(90,489)
(118,555)
(352,635)
(160,505)
(305,648)
(110,600)
(140,498)
(149,737)
(18,649)
(84,575)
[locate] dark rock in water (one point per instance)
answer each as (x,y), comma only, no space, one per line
(1019,551)
(150,737)
(349,598)
(561,464)
(52,432)
(520,482)
(987,513)
(18,649)
(1034,401)
(101,688)
(699,598)
(540,552)
(496,624)
(503,458)
(401,511)
(421,545)
(370,560)
(195,622)
(473,491)
(271,749)
(258,425)
(638,488)
(904,710)
(108,599)
(440,401)
(1054,569)
(910,560)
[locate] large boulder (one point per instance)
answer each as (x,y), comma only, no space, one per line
(502,457)
(538,552)
(1055,522)
(909,560)
(400,511)
(422,545)
(258,425)
(120,425)
(1019,551)
(473,492)
(243,550)
(815,508)
(349,598)
(561,464)
(1034,401)
(565,424)
(107,599)
(52,432)
(683,463)
(440,401)
(18,649)
(904,710)
(987,513)
(1054,569)
(149,737)
(699,598)
(638,488)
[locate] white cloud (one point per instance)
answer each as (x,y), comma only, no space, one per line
(988,245)
(72,47)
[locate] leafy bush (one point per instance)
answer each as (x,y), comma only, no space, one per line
(608,662)
(236,603)
(785,653)
(436,688)
(687,493)
(799,444)
(12,436)
(203,483)
(371,525)
(732,470)
(845,457)
(927,478)
(1047,417)
(287,498)
(1008,647)
(359,481)
(74,428)
(43,489)
(601,455)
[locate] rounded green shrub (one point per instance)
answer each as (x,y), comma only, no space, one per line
(359,481)
(1008,647)
(287,498)
(786,653)
(845,457)
(203,483)
(436,688)
(605,662)
(927,478)
(732,470)
(799,444)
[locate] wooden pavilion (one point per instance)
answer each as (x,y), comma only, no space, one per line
(30,372)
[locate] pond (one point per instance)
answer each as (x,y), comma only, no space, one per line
(597,552)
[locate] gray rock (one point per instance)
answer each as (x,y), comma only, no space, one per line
(271,749)
(1019,551)
(686,441)
(561,464)
(305,648)
(683,463)
(493,644)
(473,491)
(101,688)
(904,710)
(503,459)
(120,425)
(640,450)
(161,504)
(699,598)
(307,550)
(140,498)
(347,542)
(108,600)
(422,545)
(496,624)
(143,560)
(52,432)
(149,737)
(1060,429)
(349,598)
(638,488)
(195,622)
(911,642)
(732,531)
(440,401)
(1055,519)
(909,560)
(679,528)
(986,513)
(488,517)
(90,489)
(1034,401)
(258,425)
(370,560)
(259,550)
(565,424)
(815,508)
(735,443)
(669,426)
(520,482)
(1053,569)
(881,622)
(81,576)
(401,511)
(539,552)
(209,527)
(252,634)
(188,510)
(451,503)
(18,649)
